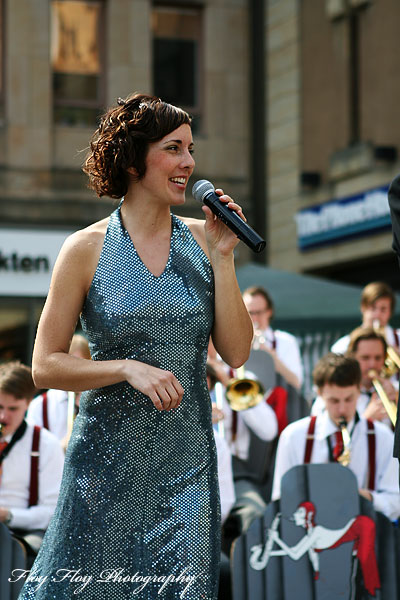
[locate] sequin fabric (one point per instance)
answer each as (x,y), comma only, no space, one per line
(138,512)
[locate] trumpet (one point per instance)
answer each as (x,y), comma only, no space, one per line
(243,393)
(389,406)
(258,338)
(344,458)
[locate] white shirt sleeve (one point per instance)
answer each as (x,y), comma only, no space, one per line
(262,421)
(386,497)
(341,345)
(51,462)
(287,350)
(225,476)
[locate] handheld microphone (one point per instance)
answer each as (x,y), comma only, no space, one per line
(204,191)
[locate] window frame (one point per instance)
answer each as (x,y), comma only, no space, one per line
(97,103)
(197,110)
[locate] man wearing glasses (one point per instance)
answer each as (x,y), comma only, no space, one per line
(282,346)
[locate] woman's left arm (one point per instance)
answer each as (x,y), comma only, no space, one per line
(233,330)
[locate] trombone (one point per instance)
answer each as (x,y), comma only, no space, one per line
(392,362)
(389,406)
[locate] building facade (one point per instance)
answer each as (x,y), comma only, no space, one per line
(333,141)
(62,62)
(295,116)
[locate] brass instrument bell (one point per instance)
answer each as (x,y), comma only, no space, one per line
(243,393)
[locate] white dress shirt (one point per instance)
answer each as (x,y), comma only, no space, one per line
(291,447)
(287,350)
(15,479)
(57,412)
(225,476)
(341,345)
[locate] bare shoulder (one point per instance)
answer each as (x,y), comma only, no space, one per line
(82,249)
(86,241)
(196,227)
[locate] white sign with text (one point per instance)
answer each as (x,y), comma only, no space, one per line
(27,258)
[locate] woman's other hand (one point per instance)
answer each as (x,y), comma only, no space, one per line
(162,387)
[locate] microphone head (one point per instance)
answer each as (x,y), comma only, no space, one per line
(201,188)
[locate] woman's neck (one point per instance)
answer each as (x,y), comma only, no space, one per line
(145,218)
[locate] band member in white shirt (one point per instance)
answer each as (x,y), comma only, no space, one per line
(31,464)
(281,345)
(369,348)
(377,307)
(319,439)
(237,425)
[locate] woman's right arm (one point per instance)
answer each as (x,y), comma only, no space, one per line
(53,367)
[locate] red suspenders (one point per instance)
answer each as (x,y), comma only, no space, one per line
(309,440)
(371,449)
(34,481)
(45,414)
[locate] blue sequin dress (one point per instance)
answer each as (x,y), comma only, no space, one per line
(138,512)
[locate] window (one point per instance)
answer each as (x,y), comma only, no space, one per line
(77,61)
(177,57)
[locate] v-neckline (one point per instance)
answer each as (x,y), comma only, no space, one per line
(126,232)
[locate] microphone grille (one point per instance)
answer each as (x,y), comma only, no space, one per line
(201,188)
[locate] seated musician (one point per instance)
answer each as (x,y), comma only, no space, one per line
(281,345)
(318,439)
(376,307)
(31,465)
(236,427)
(50,409)
(260,419)
(368,347)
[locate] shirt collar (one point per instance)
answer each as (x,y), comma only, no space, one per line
(325,427)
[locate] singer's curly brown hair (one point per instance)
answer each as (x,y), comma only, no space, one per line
(122,139)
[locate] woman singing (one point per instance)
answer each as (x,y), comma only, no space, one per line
(138,512)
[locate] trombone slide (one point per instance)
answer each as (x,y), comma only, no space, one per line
(390,408)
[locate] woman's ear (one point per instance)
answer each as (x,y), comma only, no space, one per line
(132,171)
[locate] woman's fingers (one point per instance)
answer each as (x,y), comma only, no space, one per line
(162,387)
(231,204)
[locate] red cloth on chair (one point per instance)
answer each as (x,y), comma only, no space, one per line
(278,401)
(362,532)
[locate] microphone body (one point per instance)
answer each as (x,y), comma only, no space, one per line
(204,191)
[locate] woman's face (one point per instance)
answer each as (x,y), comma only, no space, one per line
(169,164)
